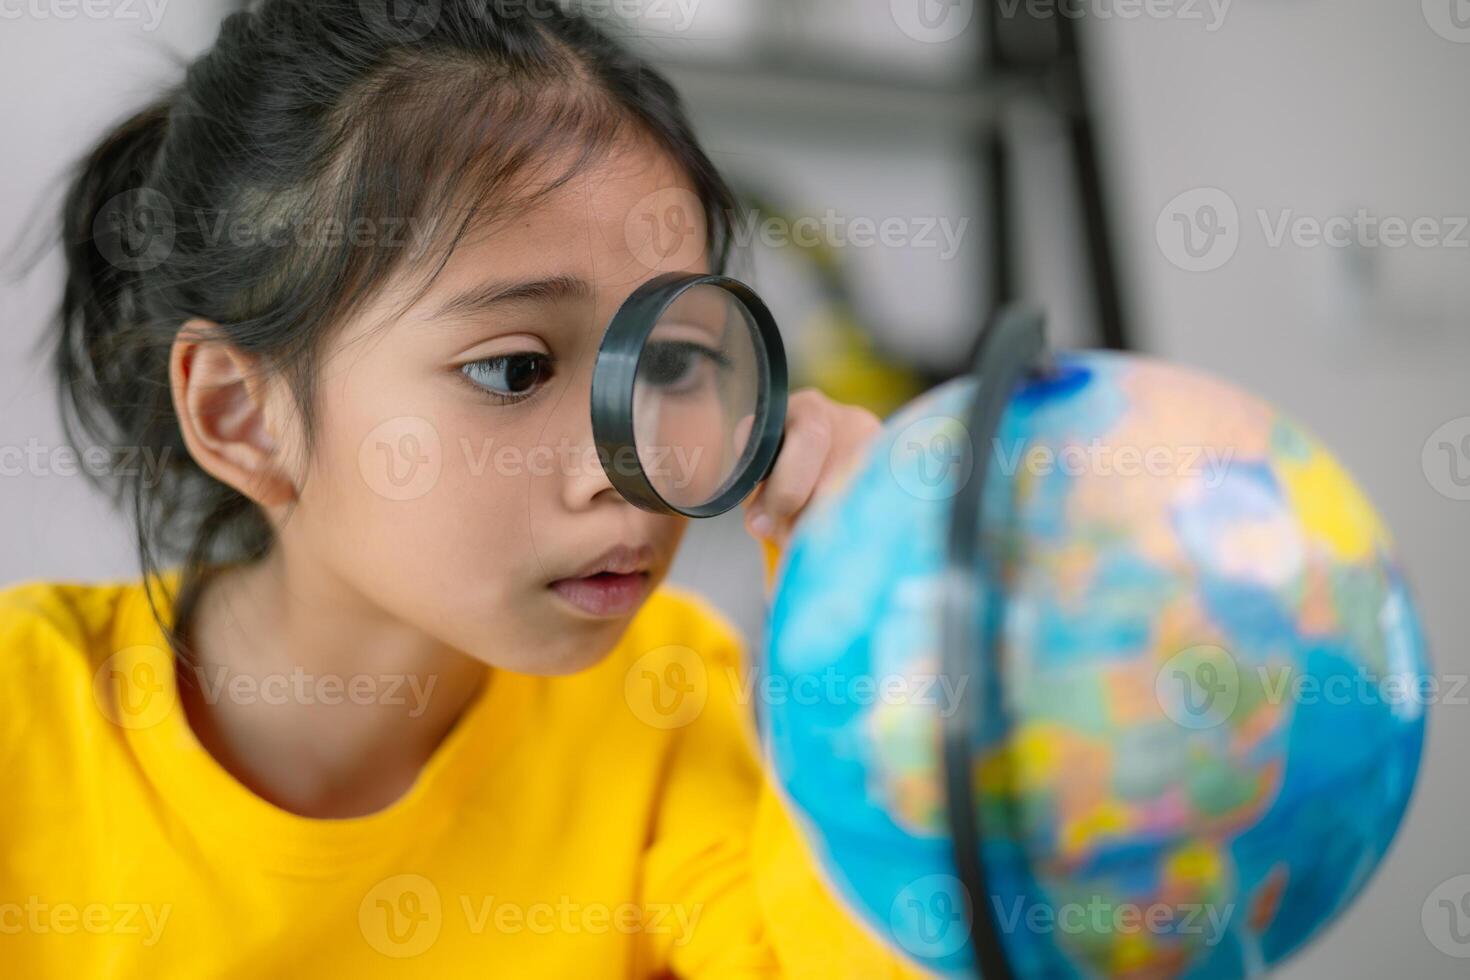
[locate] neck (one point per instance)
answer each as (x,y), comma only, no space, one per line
(311,695)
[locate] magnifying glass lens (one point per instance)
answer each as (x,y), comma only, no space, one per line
(689,395)
(698,393)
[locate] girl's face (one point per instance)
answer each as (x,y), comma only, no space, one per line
(455,482)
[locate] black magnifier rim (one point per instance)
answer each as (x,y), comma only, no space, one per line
(616,375)
(1013,346)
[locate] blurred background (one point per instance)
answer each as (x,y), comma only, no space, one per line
(1276,192)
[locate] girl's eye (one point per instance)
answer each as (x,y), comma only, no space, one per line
(509,377)
(678,366)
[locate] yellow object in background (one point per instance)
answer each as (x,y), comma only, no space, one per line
(835,355)
(833,350)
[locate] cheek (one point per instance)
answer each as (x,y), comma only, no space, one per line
(434,512)
(405,492)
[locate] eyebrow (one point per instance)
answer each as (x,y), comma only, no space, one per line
(486,296)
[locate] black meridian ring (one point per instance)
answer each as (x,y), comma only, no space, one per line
(616,374)
(1013,345)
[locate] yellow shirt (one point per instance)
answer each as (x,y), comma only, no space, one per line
(611,823)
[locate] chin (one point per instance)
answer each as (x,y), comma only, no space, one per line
(567,661)
(573,651)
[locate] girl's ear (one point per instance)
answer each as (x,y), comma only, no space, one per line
(230,413)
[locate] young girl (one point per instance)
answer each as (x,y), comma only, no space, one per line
(383,702)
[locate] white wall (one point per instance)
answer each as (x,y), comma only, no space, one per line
(65,77)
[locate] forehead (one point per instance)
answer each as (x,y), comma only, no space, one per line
(620,218)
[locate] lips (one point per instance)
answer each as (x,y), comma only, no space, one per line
(621,560)
(604,594)
(613,584)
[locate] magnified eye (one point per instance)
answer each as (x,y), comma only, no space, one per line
(679,366)
(509,377)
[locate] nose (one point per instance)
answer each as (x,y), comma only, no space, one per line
(583,480)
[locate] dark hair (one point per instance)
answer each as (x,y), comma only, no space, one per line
(323,114)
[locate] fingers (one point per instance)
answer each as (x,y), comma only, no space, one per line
(859,428)
(805,457)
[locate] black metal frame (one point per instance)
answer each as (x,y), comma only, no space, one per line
(616,373)
(1042,54)
(1012,346)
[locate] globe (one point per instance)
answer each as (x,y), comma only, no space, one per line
(1214,677)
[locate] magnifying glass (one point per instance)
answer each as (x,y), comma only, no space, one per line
(689,395)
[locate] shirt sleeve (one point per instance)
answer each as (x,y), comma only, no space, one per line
(728,858)
(41,649)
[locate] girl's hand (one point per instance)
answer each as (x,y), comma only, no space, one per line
(822,436)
